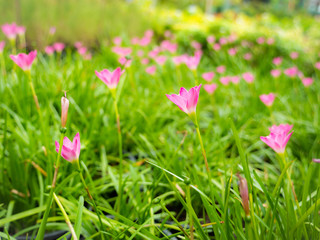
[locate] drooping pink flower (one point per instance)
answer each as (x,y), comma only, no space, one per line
(294,55)
(21,30)
(221,69)
(248,77)
(70,151)
(49,50)
(232,51)
(211,39)
(278,138)
(151,70)
(24,61)
(225,80)
(10,30)
(275,73)
(58,46)
(235,79)
(117,41)
(216,46)
(2,44)
(161,59)
(210,88)
(316,160)
(307,81)
(260,40)
(291,72)
(247,56)
(208,76)
(267,99)
(193,61)
(277,61)
(52,30)
(111,79)
(286,128)
(317,65)
(270,41)
(186,100)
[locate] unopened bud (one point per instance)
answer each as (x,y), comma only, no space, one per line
(243,188)
(64,111)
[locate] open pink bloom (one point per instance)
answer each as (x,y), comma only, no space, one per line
(232,51)
(70,150)
(260,40)
(247,56)
(267,99)
(278,139)
(294,55)
(160,59)
(186,100)
(316,160)
(178,60)
(122,51)
(223,41)
(21,30)
(82,50)
(275,73)
(307,81)
(154,52)
(193,61)
(216,46)
(151,70)
(277,61)
(225,80)
(10,30)
(281,128)
(196,45)
(210,88)
(145,61)
(211,39)
(58,46)
(52,30)
(135,41)
(291,72)
(221,69)
(111,79)
(117,41)
(270,41)
(317,65)
(145,41)
(24,61)
(49,50)
(208,76)
(2,44)
(166,45)
(248,77)
(235,79)
(78,45)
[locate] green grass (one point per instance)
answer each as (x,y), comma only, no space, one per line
(162,157)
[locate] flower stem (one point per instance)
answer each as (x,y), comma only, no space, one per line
(53,186)
(3,66)
(66,218)
(196,78)
(189,203)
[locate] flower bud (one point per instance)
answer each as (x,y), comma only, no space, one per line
(243,188)
(64,110)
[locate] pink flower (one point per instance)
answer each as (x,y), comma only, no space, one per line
(210,88)
(225,80)
(167,34)
(232,38)
(125,61)
(21,30)
(135,41)
(58,46)
(82,50)
(260,40)
(316,160)
(111,79)
(52,30)
(278,138)
(2,44)
(117,41)
(232,51)
(49,50)
(193,61)
(270,41)
(144,41)
(216,47)
(10,30)
(277,61)
(211,39)
(145,61)
(24,61)
(294,55)
(281,128)
(247,56)
(245,43)
(140,53)
(148,33)
(166,45)
(307,81)
(78,45)
(196,45)
(151,70)
(317,65)
(291,72)
(186,100)
(70,150)
(154,52)
(248,77)
(235,79)
(87,56)
(275,73)
(122,51)
(208,76)
(160,59)
(178,60)
(221,69)
(267,99)
(223,41)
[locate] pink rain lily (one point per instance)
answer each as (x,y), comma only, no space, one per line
(78,45)
(21,30)
(160,59)
(166,45)
(70,150)
(58,46)
(10,30)
(135,41)
(317,65)
(178,60)
(2,44)
(291,72)
(232,51)
(294,55)
(316,160)
(277,61)
(221,69)
(122,51)
(247,56)
(225,80)
(124,61)
(208,76)
(186,100)
(145,41)
(216,47)
(235,79)
(52,31)
(210,88)
(260,40)
(281,128)
(211,39)
(267,99)
(193,61)
(154,52)
(82,50)
(49,50)
(307,81)
(278,138)
(111,79)
(270,41)
(248,77)
(24,61)
(275,73)
(151,70)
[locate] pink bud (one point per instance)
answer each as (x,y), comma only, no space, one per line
(64,110)
(244,194)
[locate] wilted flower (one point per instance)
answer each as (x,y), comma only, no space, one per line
(244,194)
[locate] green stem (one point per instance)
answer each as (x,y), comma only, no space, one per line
(66,218)
(3,66)
(189,203)
(196,78)
(53,186)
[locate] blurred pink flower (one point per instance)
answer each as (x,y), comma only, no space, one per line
(154,52)
(10,30)
(275,73)
(52,30)
(186,100)
(58,46)
(232,38)
(294,55)
(148,33)
(291,72)
(178,60)
(24,61)
(245,43)
(281,128)
(140,53)
(166,45)
(208,76)
(307,81)
(277,61)
(225,80)
(193,61)
(117,41)
(111,79)
(122,51)
(247,56)
(210,88)
(21,30)
(70,150)
(267,99)
(316,160)
(211,39)
(232,51)
(223,41)
(168,34)
(196,45)
(144,41)
(216,47)
(317,65)
(49,50)
(248,77)
(221,69)
(135,41)
(87,56)
(235,79)
(2,44)
(278,139)
(126,62)
(260,40)
(145,61)
(270,41)
(78,44)
(151,70)
(82,50)
(161,59)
